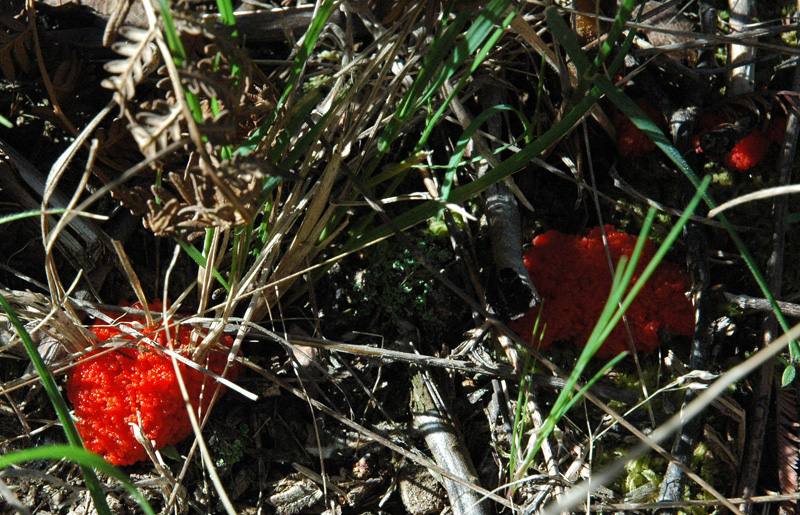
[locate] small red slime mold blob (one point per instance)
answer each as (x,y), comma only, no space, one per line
(572,276)
(631,141)
(751,150)
(139,386)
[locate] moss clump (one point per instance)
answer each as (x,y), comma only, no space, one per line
(393,290)
(643,471)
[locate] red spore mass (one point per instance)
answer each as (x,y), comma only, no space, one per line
(750,151)
(572,275)
(632,142)
(112,390)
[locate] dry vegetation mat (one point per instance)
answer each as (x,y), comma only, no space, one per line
(399,257)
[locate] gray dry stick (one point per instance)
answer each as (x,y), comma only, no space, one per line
(447,446)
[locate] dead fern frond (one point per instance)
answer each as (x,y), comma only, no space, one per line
(759,105)
(15,36)
(141,58)
(116,17)
(115,140)
(156,126)
(199,33)
(133,198)
(199,204)
(211,84)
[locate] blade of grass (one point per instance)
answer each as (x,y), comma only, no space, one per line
(588,70)
(301,146)
(38,212)
(179,56)
(303,53)
(60,405)
(483,33)
(659,255)
(225,8)
(201,260)
(441,62)
(626,105)
(440,46)
(711,393)
(226,16)
(445,56)
(506,168)
(476,34)
(461,145)
(83,458)
(517,429)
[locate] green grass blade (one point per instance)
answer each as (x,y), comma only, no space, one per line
(623,15)
(659,256)
(179,56)
(479,58)
(638,117)
(60,405)
(201,260)
(310,39)
(225,8)
(445,56)
(587,70)
(585,388)
(301,147)
(83,458)
(441,62)
(461,146)
(171,32)
(433,58)
(31,214)
(483,34)
(623,276)
(300,59)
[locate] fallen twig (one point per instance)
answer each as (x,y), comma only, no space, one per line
(447,446)
(757,304)
(685,441)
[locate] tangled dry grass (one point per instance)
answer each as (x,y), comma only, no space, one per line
(345,189)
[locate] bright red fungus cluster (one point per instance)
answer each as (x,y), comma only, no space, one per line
(572,276)
(139,386)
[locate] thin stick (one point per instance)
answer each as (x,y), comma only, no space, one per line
(447,446)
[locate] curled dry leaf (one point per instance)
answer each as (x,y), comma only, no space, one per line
(295,494)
